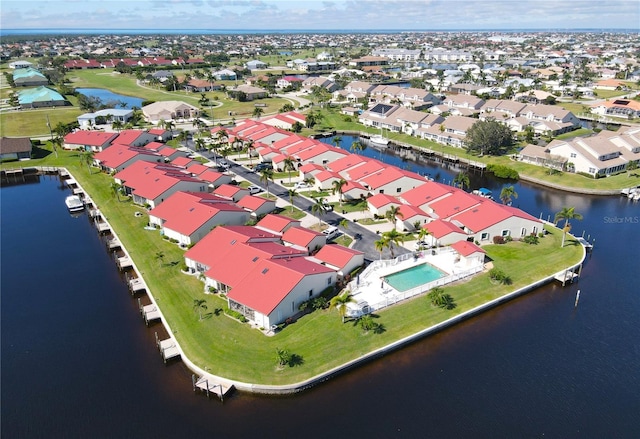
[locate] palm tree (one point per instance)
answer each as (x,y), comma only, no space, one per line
(199,144)
(422,234)
(199,305)
(462,179)
(117,125)
(169,125)
(87,158)
(507,193)
(317,208)
(337,140)
(257,112)
(289,164)
(380,245)
(265,175)
(566,214)
(390,238)
(159,257)
(292,193)
(56,143)
(356,146)
(116,188)
(337,186)
(340,303)
(392,214)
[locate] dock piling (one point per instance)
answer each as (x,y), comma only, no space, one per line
(575,305)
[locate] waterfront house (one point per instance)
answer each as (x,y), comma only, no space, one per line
(118,157)
(290,282)
(149,184)
(187,217)
(135,137)
(212,249)
(89,140)
(15,148)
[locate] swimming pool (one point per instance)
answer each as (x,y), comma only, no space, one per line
(413,277)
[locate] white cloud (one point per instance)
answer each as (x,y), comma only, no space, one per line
(318,14)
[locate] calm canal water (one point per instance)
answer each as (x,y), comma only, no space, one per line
(77,360)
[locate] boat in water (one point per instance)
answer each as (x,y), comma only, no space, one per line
(379,140)
(74,203)
(483,192)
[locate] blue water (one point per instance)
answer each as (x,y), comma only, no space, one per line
(112,100)
(413,277)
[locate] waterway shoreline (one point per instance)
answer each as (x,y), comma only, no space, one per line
(324,376)
(523,177)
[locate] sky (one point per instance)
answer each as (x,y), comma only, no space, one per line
(321,15)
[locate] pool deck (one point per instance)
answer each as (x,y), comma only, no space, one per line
(372,289)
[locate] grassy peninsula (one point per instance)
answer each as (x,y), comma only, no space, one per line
(321,341)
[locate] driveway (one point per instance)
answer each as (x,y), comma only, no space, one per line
(366,237)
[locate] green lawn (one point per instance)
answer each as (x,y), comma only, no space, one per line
(34,122)
(222,345)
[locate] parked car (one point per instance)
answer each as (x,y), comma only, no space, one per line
(253,189)
(326,206)
(301,185)
(331,232)
(263,165)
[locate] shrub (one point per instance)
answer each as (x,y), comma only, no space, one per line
(235,314)
(498,240)
(531,239)
(503,171)
(499,276)
(508,238)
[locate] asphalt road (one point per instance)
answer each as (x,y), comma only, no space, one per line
(365,237)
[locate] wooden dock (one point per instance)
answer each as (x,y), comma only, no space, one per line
(569,275)
(208,386)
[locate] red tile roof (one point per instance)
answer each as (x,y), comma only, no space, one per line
(282,276)
(90,138)
(426,193)
(466,248)
(117,155)
(186,212)
(277,223)
(253,203)
(300,236)
(440,228)
(337,255)
(217,242)
(380,200)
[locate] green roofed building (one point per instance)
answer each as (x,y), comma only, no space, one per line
(29,78)
(40,97)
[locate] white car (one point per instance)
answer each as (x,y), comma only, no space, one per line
(301,185)
(254,189)
(331,232)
